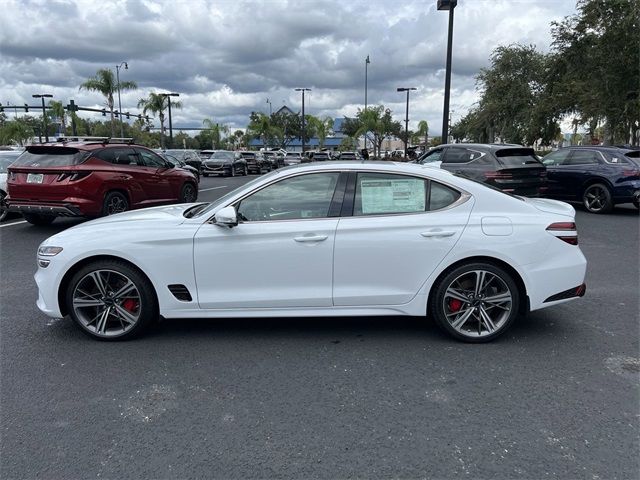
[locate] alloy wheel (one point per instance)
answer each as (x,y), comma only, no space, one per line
(596,198)
(477,303)
(116,204)
(107,303)
(188,193)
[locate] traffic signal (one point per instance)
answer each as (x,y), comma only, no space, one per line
(26,108)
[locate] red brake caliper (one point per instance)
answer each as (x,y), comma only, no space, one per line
(130,304)
(454,304)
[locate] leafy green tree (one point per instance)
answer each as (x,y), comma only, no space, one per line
(379,122)
(321,128)
(423,130)
(287,127)
(260,126)
(16,131)
(215,131)
(105,83)
(57,111)
(156,103)
(348,144)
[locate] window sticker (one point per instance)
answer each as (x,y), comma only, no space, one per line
(392,196)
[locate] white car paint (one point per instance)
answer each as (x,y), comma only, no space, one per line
(377,265)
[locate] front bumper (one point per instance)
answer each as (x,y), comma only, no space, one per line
(48,292)
(215,169)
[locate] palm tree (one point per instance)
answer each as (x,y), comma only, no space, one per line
(57,111)
(321,128)
(261,126)
(156,103)
(423,130)
(104,82)
(216,132)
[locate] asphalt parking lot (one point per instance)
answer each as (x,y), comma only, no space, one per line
(556,397)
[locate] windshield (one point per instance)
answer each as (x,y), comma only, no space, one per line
(515,157)
(6,159)
(46,156)
(222,156)
(248,154)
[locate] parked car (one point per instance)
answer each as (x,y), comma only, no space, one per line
(256,163)
(190,157)
(314,241)
(320,156)
(350,156)
(293,158)
(275,158)
(180,164)
(508,167)
(7,157)
(91,179)
(225,162)
(598,177)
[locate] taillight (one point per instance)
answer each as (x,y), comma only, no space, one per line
(631,173)
(497,175)
(72,176)
(565,231)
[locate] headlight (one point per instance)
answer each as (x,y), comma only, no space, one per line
(49,251)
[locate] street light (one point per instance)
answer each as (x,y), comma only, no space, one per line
(270,107)
(366,75)
(303,130)
(169,95)
(406,118)
(44,114)
(118,67)
(447,5)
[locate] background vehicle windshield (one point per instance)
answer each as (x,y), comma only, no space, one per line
(45,156)
(222,156)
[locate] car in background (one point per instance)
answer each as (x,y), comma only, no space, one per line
(315,242)
(256,163)
(190,157)
(511,168)
(225,163)
(292,158)
(92,179)
(350,156)
(275,157)
(599,177)
(180,164)
(7,157)
(322,156)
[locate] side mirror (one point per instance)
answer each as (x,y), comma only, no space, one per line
(227,217)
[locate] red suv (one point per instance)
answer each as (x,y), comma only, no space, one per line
(91,179)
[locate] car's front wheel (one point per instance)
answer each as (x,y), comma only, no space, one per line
(475,302)
(189,194)
(111,300)
(39,220)
(597,198)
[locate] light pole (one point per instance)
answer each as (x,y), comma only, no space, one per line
(406,118)
(118,67)
(168,96)
(447,5)
(270,107)
(366,75)
(44,114)
(303,130)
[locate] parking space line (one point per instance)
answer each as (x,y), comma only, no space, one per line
(212,188)
(12,224)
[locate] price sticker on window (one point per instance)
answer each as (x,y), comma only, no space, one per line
(404,195)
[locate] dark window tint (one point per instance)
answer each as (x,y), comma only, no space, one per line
(41,156)
(381,193)
(248,154)
(150,159)
(118,156)
(305,196)
(459,155)
(434,156)
(441,196)
(556,158)
(633,154)
(515,157)
(583,157)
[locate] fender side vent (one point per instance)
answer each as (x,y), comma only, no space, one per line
(180,292)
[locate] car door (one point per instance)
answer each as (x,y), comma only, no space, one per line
(574,171)
(158,177)
(554,163)
(281,252)
(400,229)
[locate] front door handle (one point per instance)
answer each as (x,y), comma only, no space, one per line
(440,233)
(311,238)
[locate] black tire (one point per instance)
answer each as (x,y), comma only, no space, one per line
(146,308)
(205,174)
(474,329)
(636,202)
(115,202)
(4,210)
(188,193)
(39,220)
(232,171)
(596,198)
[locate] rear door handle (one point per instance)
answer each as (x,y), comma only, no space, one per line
(441,233)
(311,238)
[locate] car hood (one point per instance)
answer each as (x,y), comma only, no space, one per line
(551,206)
(167,214)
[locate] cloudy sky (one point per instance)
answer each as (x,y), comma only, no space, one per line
(226,58)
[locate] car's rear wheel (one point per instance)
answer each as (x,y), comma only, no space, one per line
(115,202)
(475,302)
(597,198)
(37,219)
(189,193)
(4,210)
(111,300)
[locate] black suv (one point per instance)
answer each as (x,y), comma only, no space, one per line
(511,168)
(276,159)
(256,163)
(225,162)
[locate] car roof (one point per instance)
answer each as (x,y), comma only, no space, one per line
(488,146)
(612,148)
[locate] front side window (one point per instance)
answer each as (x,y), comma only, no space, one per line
(301,197)
(381,193)
(434,156)
(151,159)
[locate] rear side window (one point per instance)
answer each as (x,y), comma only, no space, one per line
(45,156)
(459,155)
(514,157)
(583,157)
(118,156)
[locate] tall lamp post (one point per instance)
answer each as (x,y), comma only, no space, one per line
(44,114)
(447,5)
(366,77)
(118,67)
(406,118)
(270,107)
(168,96)
(303,129)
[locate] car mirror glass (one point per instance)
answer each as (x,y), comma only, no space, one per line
(226,217)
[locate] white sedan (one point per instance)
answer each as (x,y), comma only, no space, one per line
(325,239)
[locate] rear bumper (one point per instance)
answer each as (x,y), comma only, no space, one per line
(46,208)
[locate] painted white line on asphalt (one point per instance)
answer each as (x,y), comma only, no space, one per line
(12,224)
(212,188)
